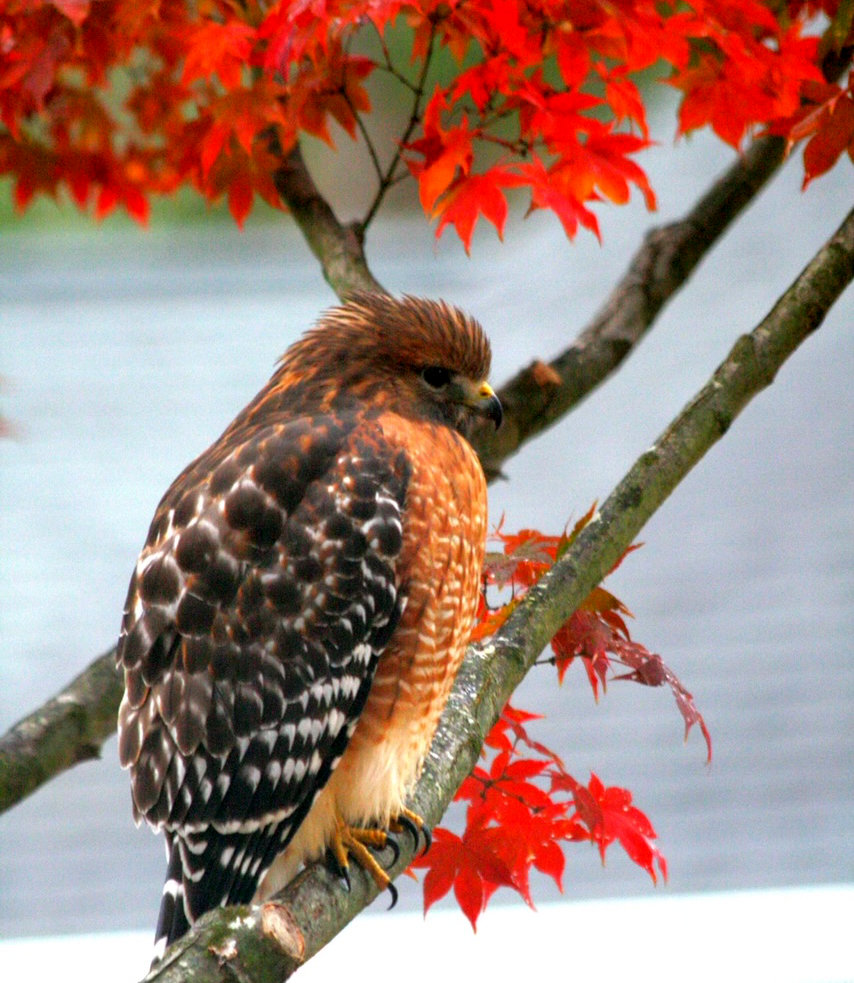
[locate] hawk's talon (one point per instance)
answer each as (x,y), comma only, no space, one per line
(341,871)
(410,822)
(352,841)
(394,846)
(407,825)
(392,890)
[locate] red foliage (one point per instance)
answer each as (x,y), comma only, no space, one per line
(521,810)
(120,100)
(523,804)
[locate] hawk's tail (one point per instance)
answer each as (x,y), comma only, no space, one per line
(206,869)
(172,920)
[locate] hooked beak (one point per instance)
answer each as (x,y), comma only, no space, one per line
(488,404)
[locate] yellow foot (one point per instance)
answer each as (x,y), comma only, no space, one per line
(351,841)
(356,842)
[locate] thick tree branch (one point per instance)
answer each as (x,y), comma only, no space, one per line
(67,729)
(269,943)
(540,395)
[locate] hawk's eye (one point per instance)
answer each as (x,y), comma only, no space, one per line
(435,376)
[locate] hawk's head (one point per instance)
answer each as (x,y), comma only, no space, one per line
(417,357)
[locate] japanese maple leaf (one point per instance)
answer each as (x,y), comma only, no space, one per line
(509,729)
(519,837)
(331,87)
(624,98)
(467,864)
(549,190)
(590,633)
(241,114)
(585,635)
(472,196)
(650,670)
(527,555)
(610,816)
(826,121)
(217,49)
(447,153)
(75,10)
(602,164)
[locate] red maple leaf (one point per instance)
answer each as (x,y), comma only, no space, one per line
(650,670)
(549,189)
(75,10)
(468,864)
(446,152)
(826,121)
(331,86)
(217,49)
(609,815)
(834,136)
(598,634)
(522,808)
(471,196)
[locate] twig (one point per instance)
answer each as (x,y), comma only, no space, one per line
(389,179)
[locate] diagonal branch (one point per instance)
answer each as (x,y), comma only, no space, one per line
(539,395)
(269,943)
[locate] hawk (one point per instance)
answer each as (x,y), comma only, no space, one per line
(302,603)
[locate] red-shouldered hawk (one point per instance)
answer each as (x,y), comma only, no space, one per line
(302,604)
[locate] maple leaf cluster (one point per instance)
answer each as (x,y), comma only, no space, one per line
(522,803)
(521,809)
(121,100)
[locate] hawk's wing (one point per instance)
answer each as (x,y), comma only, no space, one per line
(259,606)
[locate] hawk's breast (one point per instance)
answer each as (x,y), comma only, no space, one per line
(439,573)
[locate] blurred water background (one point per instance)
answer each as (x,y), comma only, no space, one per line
(124,353)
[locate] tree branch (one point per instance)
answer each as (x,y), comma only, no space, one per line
(540,395)
(267,944)
(68,729)
(339,248)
